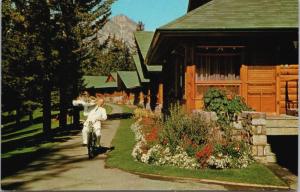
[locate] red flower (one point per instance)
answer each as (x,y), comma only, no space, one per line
(165,142)
(153,135)
(205,152)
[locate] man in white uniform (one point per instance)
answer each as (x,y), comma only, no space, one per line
(95,116)
(88,102)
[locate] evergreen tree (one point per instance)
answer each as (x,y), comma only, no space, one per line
(80,21)
(44,45)
(17,80)
(115,57)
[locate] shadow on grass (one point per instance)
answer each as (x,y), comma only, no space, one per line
(16,162)
(116,116)
(15,135)
(7,129)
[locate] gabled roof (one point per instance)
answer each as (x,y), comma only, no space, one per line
(193,4)
(143,39)
(111,84)
(129,78)
(113,75)
(154,68)
(239,14)
(139,69)
(94,81)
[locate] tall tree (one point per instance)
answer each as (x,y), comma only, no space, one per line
(16,59)
(80,21)
(116,56)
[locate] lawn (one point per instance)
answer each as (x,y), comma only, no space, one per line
(121,158)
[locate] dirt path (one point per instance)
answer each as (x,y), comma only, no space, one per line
(68,168)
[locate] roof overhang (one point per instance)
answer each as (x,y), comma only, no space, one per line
(162,40)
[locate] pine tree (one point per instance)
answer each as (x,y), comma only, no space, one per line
(80,21)
(116,56)
(17,80)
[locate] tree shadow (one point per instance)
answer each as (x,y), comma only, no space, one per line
(116,116)
(14,135)
(12,164)
(47,168)
(7,129)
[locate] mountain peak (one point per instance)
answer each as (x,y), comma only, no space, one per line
(120,26)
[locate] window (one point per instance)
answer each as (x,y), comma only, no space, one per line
(218,67)
(218,64)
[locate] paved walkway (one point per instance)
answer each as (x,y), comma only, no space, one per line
(68,168)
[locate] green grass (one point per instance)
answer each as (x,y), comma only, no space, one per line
(121,158)
(108,109)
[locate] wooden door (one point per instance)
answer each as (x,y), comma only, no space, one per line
(261,88)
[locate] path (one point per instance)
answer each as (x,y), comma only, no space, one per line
(68,168)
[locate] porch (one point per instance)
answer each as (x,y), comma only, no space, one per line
(282,125)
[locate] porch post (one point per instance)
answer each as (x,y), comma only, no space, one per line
(190,69)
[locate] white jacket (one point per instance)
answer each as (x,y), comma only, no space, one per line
(87,106)
(96,115)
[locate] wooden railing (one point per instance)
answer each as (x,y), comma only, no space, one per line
(291,106)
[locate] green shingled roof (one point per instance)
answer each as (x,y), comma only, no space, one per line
(239,14)
(129,78)
(94,81)
(98,82)
(109,85)
(154,68)
(143,39)
(139,69)
(114,75)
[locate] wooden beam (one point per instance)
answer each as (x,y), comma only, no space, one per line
(277,89)
(243,74)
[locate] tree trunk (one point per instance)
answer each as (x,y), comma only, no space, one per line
(46,108)
(62,107)
(76,115)
(18,118)
(30,117)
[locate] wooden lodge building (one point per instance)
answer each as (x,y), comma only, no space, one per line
(247,47)
(149,75)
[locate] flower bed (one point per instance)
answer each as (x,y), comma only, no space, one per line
(185,141)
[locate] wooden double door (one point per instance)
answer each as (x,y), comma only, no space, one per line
(261,88)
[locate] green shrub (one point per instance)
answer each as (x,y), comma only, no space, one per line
(186,130)
(226,109)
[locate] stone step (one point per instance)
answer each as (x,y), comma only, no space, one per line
(271,158)
(282,123)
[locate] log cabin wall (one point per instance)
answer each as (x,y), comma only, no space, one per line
(275,74)
(264,64)
(288,85)
(260,86)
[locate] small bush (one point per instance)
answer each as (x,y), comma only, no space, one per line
(187,141)
(226,109)
(182,129)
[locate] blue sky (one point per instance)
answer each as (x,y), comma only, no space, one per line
(153,13)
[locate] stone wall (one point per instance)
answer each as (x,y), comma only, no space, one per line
(256,123)
(250,127)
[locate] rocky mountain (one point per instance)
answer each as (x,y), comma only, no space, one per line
(121,27)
